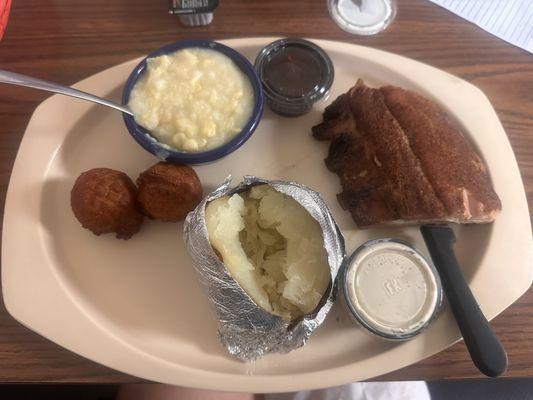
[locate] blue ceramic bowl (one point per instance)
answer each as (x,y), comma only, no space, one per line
(165,152)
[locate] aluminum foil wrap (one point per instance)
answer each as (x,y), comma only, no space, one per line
(245,329)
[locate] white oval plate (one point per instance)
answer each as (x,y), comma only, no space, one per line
(136,306)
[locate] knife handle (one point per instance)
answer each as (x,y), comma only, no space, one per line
(484,347)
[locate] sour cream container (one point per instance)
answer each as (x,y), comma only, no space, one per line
(391,289)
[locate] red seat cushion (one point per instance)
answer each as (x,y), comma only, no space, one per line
(4,15)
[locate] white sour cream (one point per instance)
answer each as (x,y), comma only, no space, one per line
(192,100)
(391,289)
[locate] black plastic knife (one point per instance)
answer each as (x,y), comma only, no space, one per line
(484,347)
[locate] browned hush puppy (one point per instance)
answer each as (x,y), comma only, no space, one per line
(168,192)
(104,201)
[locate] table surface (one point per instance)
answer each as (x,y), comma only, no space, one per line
(67,41)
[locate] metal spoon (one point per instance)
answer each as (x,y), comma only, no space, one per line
(13,78)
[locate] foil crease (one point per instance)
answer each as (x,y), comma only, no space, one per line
(245,329)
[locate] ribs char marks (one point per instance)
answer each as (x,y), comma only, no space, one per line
(401,159)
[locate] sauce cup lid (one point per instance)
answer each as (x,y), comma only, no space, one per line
(391,289)
(294,71)
(192,7)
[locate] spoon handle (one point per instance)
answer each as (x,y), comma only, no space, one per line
(13,78)
(482,343)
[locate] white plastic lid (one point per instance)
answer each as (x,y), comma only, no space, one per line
(391,289)
(362,17)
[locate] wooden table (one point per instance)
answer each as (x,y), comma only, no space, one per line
(67,41)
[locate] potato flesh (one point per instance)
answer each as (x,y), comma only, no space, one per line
(272,247)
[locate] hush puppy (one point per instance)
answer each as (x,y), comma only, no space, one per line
(167,192)
(104,201)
